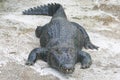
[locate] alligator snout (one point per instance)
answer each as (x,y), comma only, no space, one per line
(67,69)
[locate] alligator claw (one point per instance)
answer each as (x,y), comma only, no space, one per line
(29,63)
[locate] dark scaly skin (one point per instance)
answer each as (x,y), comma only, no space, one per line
(61,41)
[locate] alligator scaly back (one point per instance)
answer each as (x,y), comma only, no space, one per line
(55,10)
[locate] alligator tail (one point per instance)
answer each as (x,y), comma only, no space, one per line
(49,9)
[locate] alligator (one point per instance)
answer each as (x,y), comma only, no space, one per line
(61,41)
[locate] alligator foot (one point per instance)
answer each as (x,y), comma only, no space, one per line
(36,54)
(29,63)
(85,59)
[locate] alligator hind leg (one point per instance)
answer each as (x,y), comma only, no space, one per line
(85,59)
(37,53)
(38,31)
(87,42)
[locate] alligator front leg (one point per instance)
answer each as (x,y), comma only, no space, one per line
(85,59)
(37,53)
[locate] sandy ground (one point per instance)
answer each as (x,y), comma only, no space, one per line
(101,19)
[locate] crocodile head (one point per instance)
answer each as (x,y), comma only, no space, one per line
(62,59)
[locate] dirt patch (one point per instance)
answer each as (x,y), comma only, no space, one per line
(113,9)
(105,19)
(15,71)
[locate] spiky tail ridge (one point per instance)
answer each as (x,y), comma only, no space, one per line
(49,10)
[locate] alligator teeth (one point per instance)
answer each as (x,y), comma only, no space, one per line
(67,70)
(70,70)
